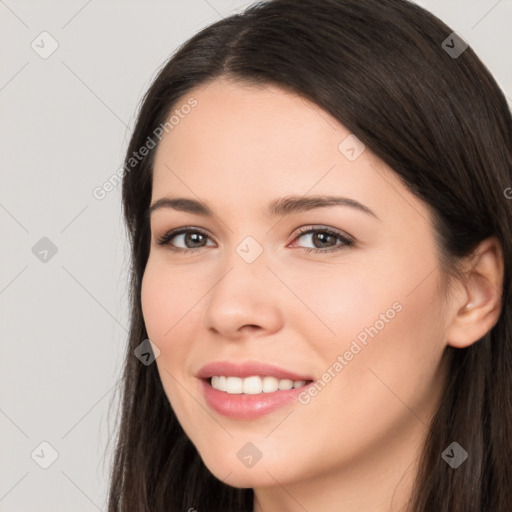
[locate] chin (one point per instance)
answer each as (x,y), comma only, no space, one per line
(242,478)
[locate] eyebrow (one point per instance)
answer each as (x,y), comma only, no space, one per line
(278,207)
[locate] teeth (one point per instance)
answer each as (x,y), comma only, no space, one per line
(253,385)
(270,384)
(285,384)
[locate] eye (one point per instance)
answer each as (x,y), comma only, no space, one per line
(320,239)
(324,239)
(191,238)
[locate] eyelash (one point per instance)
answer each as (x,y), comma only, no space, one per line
(346,241)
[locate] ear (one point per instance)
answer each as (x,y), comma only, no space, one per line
(478,306)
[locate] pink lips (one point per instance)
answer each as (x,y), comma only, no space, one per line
(248,369)
(242,406)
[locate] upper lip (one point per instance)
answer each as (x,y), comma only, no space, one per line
(247,369)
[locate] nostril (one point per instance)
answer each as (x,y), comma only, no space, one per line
(251,327)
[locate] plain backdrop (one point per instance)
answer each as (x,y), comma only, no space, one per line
(66,118)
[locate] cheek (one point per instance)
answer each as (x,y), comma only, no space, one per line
(165,300)
(384,387)
(388,327)
(167,308)
(393,351)
(335,303)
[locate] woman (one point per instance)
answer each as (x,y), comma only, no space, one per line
(316,195)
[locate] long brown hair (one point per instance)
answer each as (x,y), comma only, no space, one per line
(440,121)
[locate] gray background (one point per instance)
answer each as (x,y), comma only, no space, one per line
(65,125)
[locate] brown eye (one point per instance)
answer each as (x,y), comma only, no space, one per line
(323,239)
(188,238)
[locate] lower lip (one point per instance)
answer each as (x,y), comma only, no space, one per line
(248,407)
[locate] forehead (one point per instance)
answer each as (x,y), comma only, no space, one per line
(236,120)
(244,144)
(242,132)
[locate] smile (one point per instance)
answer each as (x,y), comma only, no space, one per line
(252,397)
(253,385)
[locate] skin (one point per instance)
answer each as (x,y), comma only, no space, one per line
(240,148)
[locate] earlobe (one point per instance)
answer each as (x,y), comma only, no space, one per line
(478,308)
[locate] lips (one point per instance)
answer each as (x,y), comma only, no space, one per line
(247,406)
(249,369)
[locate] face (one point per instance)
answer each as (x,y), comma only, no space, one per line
(267,277)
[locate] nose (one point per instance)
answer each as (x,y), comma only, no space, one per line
(241,301)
